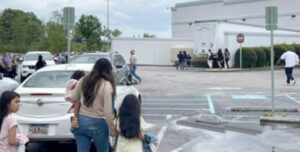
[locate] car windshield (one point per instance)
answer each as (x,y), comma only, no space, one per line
(34,57)
(88,58)
(49,79)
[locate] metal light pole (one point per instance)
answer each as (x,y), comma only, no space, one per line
(107,30)
(271,25)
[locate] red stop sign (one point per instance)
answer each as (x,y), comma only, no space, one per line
(240,38)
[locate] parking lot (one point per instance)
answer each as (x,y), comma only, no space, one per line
(169,95)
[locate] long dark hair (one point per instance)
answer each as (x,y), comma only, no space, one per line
(129,117)
(6,98)
(90,85)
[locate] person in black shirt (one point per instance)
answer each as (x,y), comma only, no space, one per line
(40,63)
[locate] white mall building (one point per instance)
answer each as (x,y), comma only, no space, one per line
(213,24)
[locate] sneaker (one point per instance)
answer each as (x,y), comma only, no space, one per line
(294,81)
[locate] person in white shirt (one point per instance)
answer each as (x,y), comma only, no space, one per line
(291,59)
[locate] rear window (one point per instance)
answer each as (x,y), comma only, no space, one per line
(34,57)
(91,58)
(49,79)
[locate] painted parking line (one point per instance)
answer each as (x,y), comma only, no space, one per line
(175,104)
(172,109)
(249,97)
(210,104)
(161,133)
(292,98)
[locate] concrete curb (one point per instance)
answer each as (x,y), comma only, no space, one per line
(280,119)
(262,109)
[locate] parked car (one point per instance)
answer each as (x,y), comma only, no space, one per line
(44,113)
(29,61)
(7,84)
(120,67)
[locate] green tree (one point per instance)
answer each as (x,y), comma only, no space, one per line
(20,31)
(55,34)
(116,33)
(90,31)
(148,35)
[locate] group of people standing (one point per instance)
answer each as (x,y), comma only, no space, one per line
(184,60)
(8,65)
(220,58)
(95,118)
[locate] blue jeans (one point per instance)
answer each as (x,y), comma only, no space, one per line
(132,72)
(91,129)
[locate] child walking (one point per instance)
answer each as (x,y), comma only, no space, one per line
(70,86)
(10,140)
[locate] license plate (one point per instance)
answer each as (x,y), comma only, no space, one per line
(36,129)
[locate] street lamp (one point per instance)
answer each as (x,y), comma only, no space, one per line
(107,30)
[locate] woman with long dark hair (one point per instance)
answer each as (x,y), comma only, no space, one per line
(40,63)
(95,93)
(130,125)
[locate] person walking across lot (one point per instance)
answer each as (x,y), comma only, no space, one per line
(133,66)
(220,59)
(227,57)
(210,59)
(95,92)
(6,60)
(291,59)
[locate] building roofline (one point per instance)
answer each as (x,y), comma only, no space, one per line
(201,2)
(225,2)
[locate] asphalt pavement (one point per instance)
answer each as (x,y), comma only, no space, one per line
(170,96)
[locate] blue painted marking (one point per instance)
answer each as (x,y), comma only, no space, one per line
(210,105)
(249,97)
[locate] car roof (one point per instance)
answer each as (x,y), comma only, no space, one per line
(37,52)
(67,67)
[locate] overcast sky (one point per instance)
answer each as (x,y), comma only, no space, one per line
(132,17)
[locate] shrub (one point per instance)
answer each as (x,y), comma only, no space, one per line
(268,55)
(249,58)
(261,56)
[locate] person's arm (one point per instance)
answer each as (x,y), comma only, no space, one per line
(12,131)
(107,107)
(76,109)
(12,139)
(279,60)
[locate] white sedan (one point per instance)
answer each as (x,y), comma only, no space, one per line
(44,114)
(7,84)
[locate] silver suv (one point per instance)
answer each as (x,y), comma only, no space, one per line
(120,68)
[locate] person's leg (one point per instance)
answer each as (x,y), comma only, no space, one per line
(134,74)
(82,134)
(227,64)
(287,72)
(101,135)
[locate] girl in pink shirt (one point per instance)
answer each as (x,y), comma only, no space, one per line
(70,86)
(9,140)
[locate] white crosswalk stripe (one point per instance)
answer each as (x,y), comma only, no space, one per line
(158,107)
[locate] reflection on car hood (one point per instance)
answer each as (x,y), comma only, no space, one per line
(8,84)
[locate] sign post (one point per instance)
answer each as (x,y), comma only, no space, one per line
(271,25)
(240,38)
(69,20)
